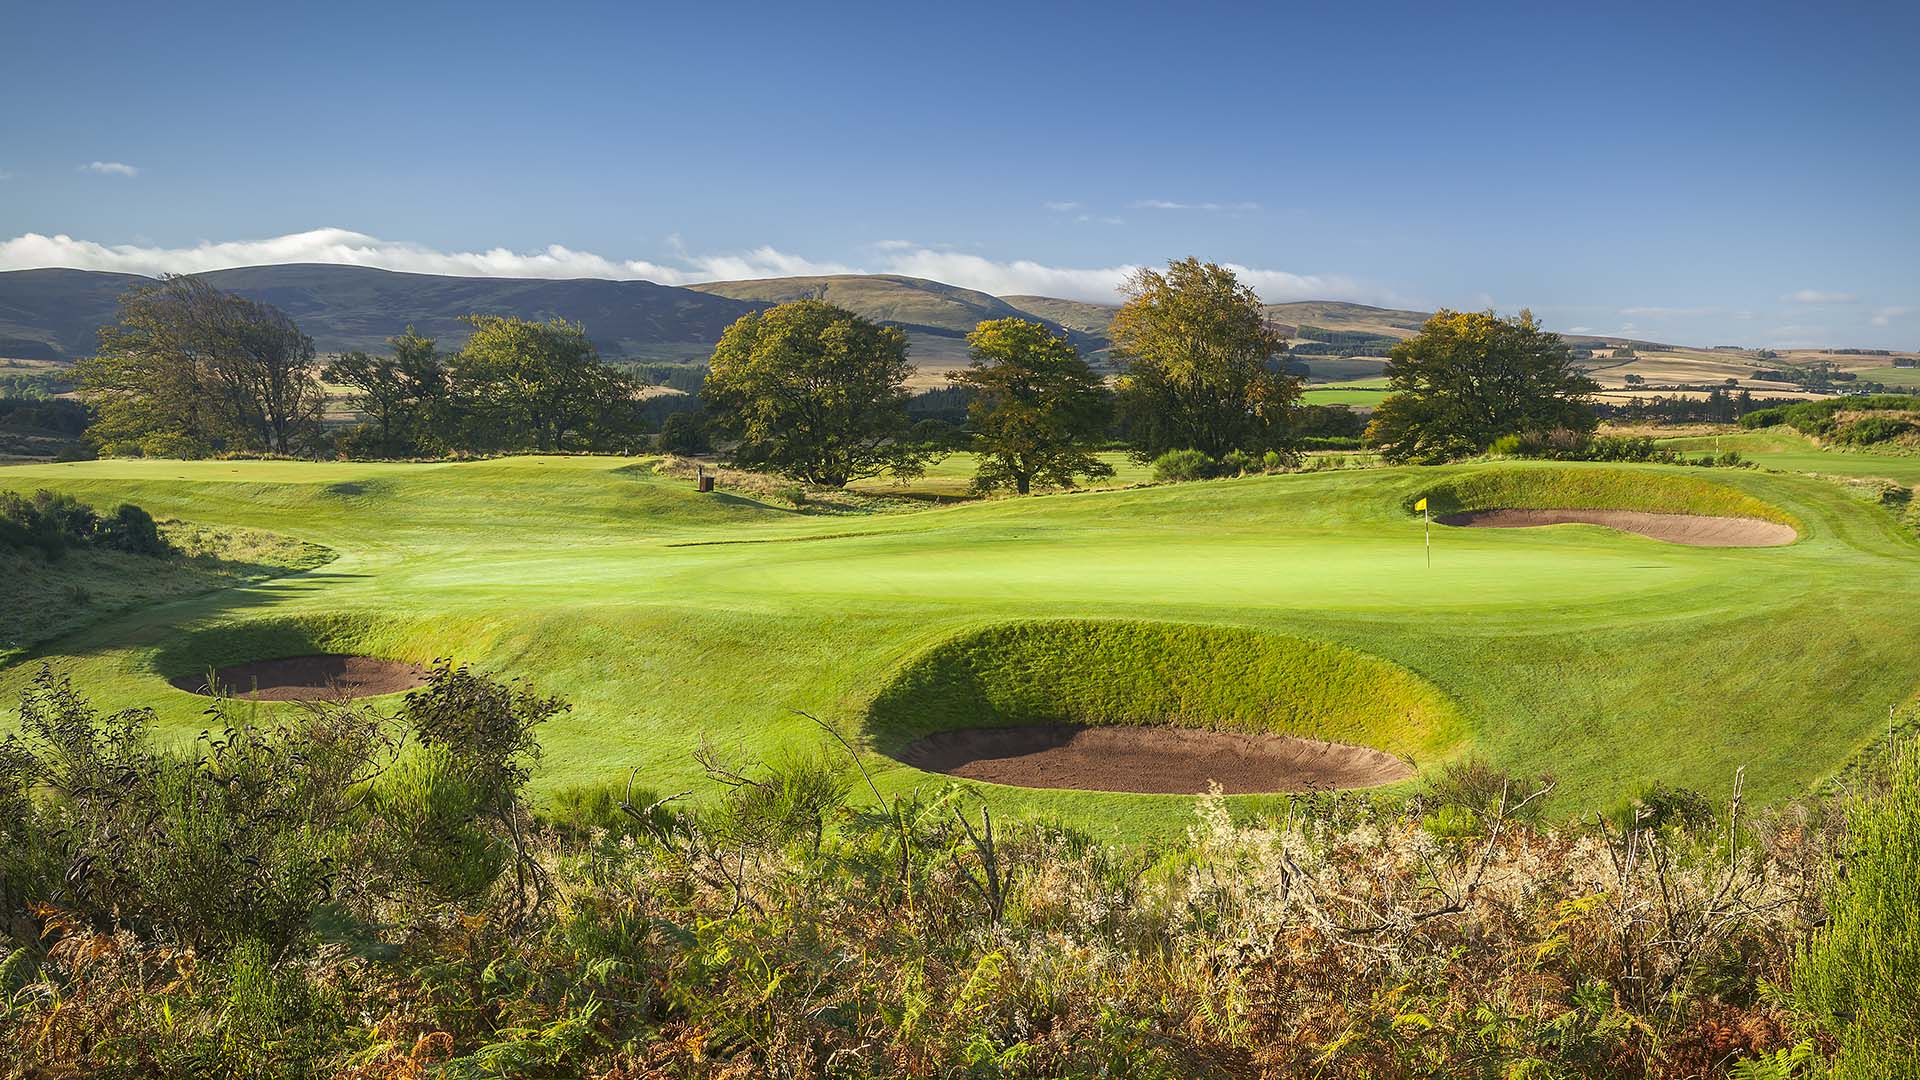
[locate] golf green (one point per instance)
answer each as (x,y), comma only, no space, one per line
(667,617)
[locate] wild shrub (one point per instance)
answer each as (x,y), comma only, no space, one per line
(1857,974)
(1179,465)
(133,531)
(51,523)
(484,730)
(240,841)
(429,838)
(1819,417)
(1874,429)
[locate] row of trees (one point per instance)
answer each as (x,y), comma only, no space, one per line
(817,393)
(190,370)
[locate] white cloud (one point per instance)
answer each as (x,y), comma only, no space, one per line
(1101,220)
(345,247)
(5,175)
(1671,312)
(1885,316)
(1169,204)
(1102,285)
(1579,329)
(110,168)
(1061,207)
(895,245)
(1817,296)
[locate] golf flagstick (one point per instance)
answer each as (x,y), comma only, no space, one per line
(1426,516)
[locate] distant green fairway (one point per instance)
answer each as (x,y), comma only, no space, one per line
(1608,659)
(1784,448)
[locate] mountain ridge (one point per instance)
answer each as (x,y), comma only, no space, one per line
(54,314)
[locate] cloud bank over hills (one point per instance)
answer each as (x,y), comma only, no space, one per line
(346,247)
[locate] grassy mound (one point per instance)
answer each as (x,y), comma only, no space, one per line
(1185,675)
(44,600)
(1550,488)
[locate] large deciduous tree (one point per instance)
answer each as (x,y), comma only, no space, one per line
(1038,410)
(1469,378)
(189,369)
(403,395)
(814,392)
(539,385)
(1200,363)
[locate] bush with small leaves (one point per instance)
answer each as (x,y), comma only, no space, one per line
(1178,465)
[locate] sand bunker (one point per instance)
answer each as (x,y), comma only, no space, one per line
(327,677)
(1157,760)
(1694,530)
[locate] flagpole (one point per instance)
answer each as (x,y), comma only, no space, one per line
(1428,515)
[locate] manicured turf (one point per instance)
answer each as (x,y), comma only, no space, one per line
(666,616)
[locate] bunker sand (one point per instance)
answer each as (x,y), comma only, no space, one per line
(1693,530)
(325,677)
(1150,760)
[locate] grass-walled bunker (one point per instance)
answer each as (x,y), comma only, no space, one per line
(318,677)
(1164,708)
(1676,509)
(335,657)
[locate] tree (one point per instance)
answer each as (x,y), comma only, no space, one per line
(402,395)
(1038,409)
(1199,354)
(191,369)
(521,384)
(1470,377)
(815,393)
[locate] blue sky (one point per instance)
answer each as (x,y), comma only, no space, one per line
(1701,173)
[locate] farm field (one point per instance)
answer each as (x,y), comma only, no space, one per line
(1905,377)
(667,617)
(1361,393)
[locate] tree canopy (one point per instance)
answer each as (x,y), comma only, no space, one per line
(814,392)
(189,369)
(1469,378)
(403,396)
(1039,410)
(520,383)
(1199,351)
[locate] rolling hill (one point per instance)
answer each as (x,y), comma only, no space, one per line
(53,314)
(936,316)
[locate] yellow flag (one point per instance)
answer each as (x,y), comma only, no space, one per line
(1421,505)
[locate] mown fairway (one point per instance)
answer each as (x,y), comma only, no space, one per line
(666,616)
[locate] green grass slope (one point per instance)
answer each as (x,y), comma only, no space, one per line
(1128,672)
(44,599)
(1543,486)
(1607,658)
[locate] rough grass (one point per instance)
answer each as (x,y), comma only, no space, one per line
(1598,489)
(42,599)
(1186,675)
